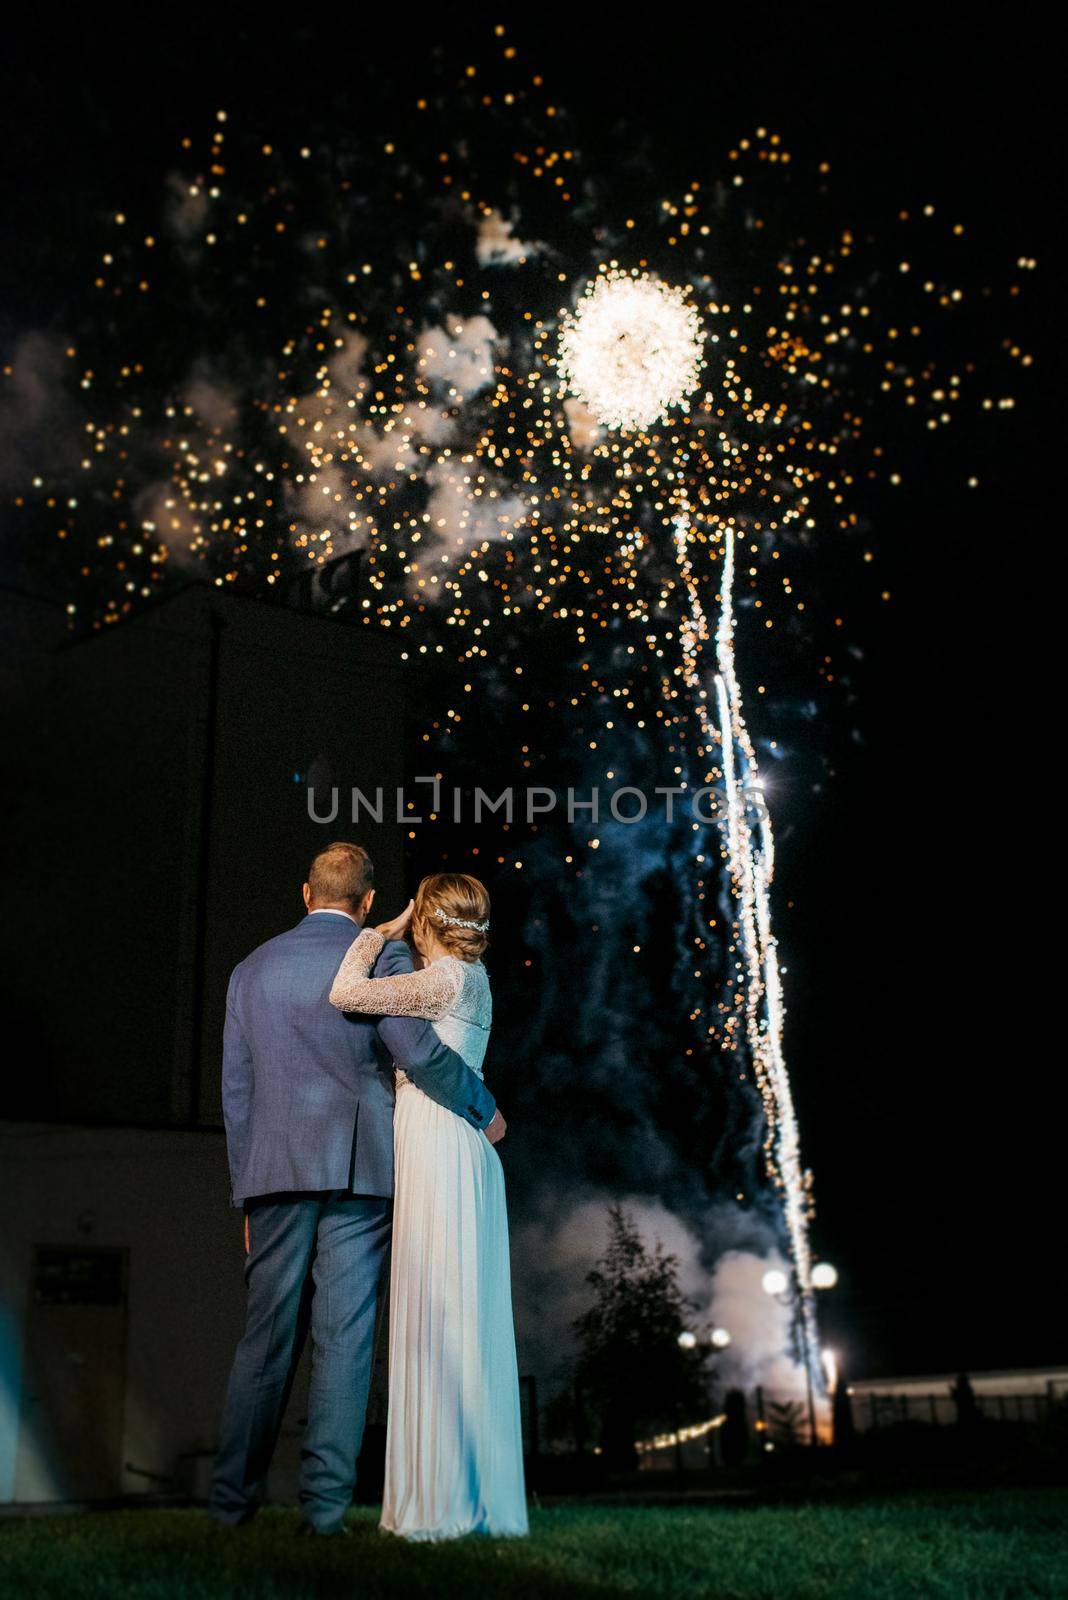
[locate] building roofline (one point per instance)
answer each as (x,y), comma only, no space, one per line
(951,1377)
(169,596)
(357,635)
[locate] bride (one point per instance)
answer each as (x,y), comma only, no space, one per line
(454,1449)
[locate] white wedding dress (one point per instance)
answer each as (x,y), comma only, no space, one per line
(454,1446)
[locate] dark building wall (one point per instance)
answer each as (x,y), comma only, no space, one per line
(94,949)
(158,830)
(31,628)
(310,698)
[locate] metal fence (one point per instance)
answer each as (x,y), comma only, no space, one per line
(941,1409)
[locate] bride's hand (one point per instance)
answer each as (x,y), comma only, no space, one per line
(399,925)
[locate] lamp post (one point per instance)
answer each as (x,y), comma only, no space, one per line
(717,1338)
(787,1290)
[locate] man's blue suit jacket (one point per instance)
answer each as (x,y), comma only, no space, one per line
(308,1089)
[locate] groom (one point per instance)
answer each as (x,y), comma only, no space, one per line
(308,1106)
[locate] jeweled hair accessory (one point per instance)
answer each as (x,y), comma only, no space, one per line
(460,922)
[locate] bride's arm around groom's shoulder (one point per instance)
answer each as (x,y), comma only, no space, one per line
(396,990)
(404,1001)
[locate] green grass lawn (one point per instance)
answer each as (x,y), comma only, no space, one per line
(970,1547)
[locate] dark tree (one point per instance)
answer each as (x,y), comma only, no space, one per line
(636,1375)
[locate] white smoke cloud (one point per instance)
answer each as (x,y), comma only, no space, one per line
(215,404)
(553,1252)
(39,425)
(458,359)
(325,413)
(324,505)
(428,424)
(163,515)
(186,208)
(396,448)
(465,511)
(497,245)
(759,1324)
(582,425)
(386,453)
(342,445)
(345,367)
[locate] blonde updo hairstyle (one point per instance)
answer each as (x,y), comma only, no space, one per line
(457,895)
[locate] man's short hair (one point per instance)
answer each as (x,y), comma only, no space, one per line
(341,875)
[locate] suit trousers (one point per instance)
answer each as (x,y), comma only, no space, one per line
(315,1263)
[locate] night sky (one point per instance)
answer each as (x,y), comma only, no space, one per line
(921,1032)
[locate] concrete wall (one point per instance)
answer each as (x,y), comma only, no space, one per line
(161,1197)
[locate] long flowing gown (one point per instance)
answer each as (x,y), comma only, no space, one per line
(454,1447)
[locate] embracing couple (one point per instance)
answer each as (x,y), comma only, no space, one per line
(348,1060)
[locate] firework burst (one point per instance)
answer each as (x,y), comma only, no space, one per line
(367,375)
(632,350)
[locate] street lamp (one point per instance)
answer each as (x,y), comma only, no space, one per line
(718,1338)
(787,1290)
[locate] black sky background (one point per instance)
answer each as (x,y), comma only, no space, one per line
(923,1030)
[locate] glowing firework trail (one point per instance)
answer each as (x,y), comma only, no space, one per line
(694,633)
(751,872)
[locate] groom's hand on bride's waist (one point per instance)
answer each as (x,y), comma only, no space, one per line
(496,1128)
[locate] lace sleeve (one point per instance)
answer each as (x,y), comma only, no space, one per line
(428,993)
